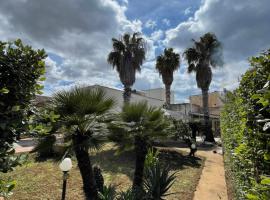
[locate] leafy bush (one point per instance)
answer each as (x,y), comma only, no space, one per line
(181,130)
(21,72)
(245,134)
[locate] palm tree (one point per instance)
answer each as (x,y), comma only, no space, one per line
(81,112)
(205,53)
(139,124)
(127,57)
(166,64)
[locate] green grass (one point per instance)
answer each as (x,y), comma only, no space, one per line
(43,180)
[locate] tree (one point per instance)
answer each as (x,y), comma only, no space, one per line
(205,53)
(21,72)
(166,64)
(138,125)
(82,112)
(127,57)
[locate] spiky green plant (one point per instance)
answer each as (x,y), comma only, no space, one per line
(158,181)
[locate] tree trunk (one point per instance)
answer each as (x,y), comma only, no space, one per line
(85,166)
(207,127)
(127,93)
(141,151)
(168,94)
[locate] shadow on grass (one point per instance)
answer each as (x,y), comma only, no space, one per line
(124,163)
(177,160)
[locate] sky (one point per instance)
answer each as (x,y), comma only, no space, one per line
(76,35)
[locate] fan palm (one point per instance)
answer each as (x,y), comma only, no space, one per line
(139,124)
(81,111)
(205,53)
(166,64)
(127,57)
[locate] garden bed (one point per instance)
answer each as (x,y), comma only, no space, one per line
(43,180)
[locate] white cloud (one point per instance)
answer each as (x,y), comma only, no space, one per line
(150,24)
(157,35)
(242,27)
(187,11)
(166,22)
(79,32)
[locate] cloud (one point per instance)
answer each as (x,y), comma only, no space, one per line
(150,24)
(78,31)
(166,22)
(242,27)
(187,11)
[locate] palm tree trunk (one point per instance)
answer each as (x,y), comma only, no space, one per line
(85,166)
(141,151)
(168,94)
(207,127)
(127,93)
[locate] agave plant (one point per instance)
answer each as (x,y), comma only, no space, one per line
(158,181)
(108,193)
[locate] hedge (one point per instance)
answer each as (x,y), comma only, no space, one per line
(245,122)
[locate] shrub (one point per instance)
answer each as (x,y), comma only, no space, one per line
(246,141)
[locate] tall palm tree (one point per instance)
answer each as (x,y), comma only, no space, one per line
(204,54)
(81,112)
(166,64)
(139,124)
(127,57)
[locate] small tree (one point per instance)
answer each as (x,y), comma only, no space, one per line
(139,125)
(21,70)
(82,111)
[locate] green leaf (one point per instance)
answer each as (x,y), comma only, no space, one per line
(4,91)
(252,197)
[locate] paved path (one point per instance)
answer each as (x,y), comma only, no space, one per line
(212,184)
(24,145)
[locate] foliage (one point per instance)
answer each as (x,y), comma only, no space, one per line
(137,127)
(166,64)
(138,119)
(83,114)
(108,193)
(151,157)
(181,130)
(245,134)
(157,181)
(127,57)
(205,53)
(6,188)
(21,73)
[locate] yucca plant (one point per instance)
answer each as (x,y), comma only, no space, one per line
(157,181)
(127,195)
(82,112)
(138,125)
(108,193)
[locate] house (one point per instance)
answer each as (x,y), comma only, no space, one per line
(187,112)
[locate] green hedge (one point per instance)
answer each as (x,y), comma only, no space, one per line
(245,135)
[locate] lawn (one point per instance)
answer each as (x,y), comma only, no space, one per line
(43,180)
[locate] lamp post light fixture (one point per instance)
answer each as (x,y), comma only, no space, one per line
(65,166)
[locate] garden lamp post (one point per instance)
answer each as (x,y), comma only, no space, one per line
(65,166)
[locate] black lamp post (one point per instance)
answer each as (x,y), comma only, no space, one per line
(65,166)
